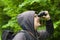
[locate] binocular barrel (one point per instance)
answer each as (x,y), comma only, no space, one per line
(43,13)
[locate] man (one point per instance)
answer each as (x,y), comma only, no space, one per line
(29,21)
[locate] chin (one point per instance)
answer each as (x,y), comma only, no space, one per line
(39,24)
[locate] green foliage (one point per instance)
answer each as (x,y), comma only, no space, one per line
(9,9)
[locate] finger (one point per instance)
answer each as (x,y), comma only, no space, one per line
(44,16)
(46,12)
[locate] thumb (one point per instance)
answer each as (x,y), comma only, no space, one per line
(44,16)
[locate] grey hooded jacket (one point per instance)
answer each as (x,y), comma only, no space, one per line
(26,21)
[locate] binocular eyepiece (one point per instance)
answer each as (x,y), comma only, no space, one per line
(43,13)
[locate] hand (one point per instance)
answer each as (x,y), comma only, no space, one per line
(47,17)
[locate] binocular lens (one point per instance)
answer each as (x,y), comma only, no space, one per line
(42,14)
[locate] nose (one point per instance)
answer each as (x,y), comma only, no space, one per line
(38,18)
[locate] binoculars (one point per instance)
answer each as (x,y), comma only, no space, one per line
(43,13)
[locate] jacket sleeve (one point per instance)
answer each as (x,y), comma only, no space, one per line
(19,36)
(49,29)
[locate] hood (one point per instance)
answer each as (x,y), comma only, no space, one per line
(26,20)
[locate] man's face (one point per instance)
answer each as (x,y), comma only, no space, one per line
(36,21)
